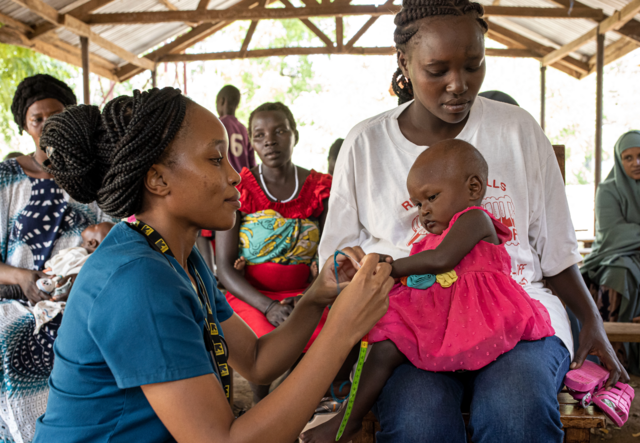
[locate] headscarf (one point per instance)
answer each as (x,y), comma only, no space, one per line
(36,88)
(618,194)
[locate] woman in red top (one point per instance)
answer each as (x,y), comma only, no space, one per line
(266,260)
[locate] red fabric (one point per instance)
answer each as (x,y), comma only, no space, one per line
(276,282)
(309,203)
(206,233)
(484,314)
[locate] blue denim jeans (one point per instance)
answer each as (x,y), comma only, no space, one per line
(513,399)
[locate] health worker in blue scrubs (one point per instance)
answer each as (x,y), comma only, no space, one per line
(144,351)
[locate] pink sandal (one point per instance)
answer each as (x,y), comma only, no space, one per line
(615,403)
(582,383)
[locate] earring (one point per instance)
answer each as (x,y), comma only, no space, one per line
(403,82)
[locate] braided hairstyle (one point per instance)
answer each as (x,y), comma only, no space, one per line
(36,88)
(276,106)
(104,157)
(406,28)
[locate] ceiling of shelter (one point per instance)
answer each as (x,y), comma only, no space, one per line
(162,30)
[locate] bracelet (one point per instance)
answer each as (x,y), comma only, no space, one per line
(274,302)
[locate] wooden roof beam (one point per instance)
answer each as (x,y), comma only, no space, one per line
(361,31)
(273,52)
(309,24)
(13,37)
(328,10)
(613,52)
(249,36)
(612,23)
(630,30)
(203,5)
(13,23)
(81,12)
(80,28)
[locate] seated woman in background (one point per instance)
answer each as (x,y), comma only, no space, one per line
(266,260)
(37,220)
(614,264)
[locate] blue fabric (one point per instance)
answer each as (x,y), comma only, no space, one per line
(423,281)
(513,399)
(40,222)
(131,320)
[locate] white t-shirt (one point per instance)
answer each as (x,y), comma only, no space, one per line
(370,207)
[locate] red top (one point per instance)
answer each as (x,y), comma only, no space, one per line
(309,203)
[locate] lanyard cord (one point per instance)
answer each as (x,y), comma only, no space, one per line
(214,343)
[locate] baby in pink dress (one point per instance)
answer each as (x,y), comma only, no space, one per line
(457,307)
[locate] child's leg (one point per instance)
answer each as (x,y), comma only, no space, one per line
(381,362)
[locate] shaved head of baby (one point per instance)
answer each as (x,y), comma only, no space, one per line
(445,179)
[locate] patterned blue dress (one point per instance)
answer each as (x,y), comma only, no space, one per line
(37,220)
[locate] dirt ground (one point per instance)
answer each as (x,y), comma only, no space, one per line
(630,433)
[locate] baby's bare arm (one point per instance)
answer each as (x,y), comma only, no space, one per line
(471,228)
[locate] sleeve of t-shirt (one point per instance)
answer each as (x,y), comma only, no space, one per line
(342,226)
(551,231)
(144,323)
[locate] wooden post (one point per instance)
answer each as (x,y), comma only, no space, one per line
(184,72)
(84,50)
(543,93)
(599,106)
(154,78)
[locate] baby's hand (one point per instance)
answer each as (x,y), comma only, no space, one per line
(385,259)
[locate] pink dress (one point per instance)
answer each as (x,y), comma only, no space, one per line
(484,314)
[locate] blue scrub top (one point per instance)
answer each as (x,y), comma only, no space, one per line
(132,319)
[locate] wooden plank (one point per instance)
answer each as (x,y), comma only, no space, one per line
(619,18)
(13,37)
(321,35)
(339,33)
(330,10)
(202,5)
(493,52)
(80,13)
(622,332)
(276,52)
(630,30)
(82,29)
(570,47)
(614,52)
(8,21)
(249,36)
(93,58)
(41,9)
(167,4)
(575,416)
(361,31)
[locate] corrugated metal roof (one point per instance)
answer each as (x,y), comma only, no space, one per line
(139,39)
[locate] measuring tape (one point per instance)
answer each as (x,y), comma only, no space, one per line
(364,344)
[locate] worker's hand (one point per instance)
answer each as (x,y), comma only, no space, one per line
(324,289)
(361,304)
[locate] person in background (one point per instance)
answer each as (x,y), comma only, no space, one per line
(241,154)
(14,154)
(613,268)
(499,96)
(266,260)
(334,150)
(37,220)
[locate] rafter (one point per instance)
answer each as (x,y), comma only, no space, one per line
(329,10)
(630,30)
(612,23)
(568,64)
(613,52)
(361,32)
(13,23)
(202,5)
(257,53)
(14,37)
(249,36)
(186,40)
(81,12)
(80,28)
(309,24)
(339,33)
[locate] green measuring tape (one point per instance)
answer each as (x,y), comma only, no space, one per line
(364,344)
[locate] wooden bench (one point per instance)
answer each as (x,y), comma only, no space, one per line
(577,422)
(622,332)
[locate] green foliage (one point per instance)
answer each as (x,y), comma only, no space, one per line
(16,63)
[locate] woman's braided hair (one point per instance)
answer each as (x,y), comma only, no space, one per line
(35,88)
(104,157)
(406,28)
(276,106)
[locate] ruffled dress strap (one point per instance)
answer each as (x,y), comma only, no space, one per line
(309,203)
(504,234)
